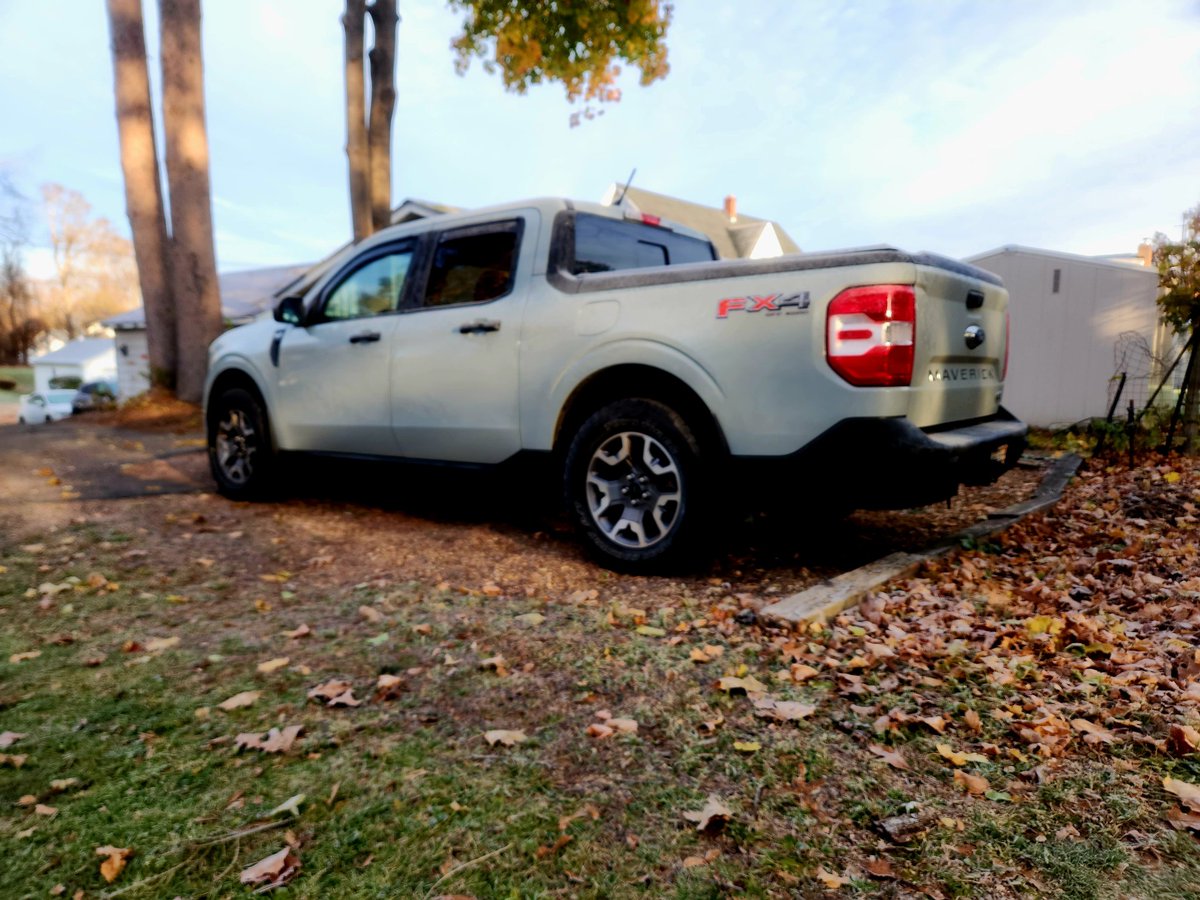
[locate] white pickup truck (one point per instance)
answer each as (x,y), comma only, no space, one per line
(659,380)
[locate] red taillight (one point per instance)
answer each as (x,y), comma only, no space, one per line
(870,333)
(1007,344)
(651,220)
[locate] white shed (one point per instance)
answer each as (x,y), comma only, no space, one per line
(1074,319)
(87,359)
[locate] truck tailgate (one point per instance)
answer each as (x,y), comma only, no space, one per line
(960,346)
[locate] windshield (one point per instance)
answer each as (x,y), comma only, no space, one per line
(60,396)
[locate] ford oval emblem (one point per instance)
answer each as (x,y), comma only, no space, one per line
(974,336)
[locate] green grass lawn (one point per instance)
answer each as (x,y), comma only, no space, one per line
(22,375)
(125,745)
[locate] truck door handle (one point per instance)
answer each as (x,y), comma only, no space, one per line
(479,326)
(365,337)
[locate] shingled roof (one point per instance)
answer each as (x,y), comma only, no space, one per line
(733,239)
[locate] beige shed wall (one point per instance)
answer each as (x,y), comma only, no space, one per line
(1062,352)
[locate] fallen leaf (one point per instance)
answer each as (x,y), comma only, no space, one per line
(782,710)
(893,758)
(698,656)
(1188,794)
(1184,739)
(237,701)
(389,687)
(114,863)
(975,785)
(1183,821)
(58,785)
(299,631)
(562,841)
(749,684)
(8,738)
(27,800)
(880,868)
(496,663)
(959,759)
(747,746)
(504,736)
(43,810)
(598,730)
(275,869)
(651,631)
(712,817)
(16,760)
(972,720)
(625,726)
(830,880)
(998,796)
(291,806)
(22,657)
(530,618)
(273,665)
(346,698)
(802,672)
(157,645)
(275,741)
(1093,733)
(371,614)
(329,690)
(937,723)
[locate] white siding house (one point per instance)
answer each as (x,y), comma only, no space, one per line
(88,359)
(1071,318)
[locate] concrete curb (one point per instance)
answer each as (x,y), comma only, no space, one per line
(822,601)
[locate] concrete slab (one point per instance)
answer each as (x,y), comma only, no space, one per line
(822,601)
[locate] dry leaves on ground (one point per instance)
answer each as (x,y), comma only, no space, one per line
(274,741)
(712,816)
(114,861)
(275,870)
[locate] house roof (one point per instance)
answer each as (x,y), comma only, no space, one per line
(76,352)
(244,295)
(1107,261)
(728,237)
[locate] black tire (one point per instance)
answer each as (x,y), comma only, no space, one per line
(238,432)
(664,459)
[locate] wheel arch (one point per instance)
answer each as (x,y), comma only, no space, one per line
(227,379)
(637,380)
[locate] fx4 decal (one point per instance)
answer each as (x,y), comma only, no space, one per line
(772,304)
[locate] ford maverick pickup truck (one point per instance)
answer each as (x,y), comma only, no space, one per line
(657,380)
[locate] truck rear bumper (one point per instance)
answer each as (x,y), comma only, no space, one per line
(893,464)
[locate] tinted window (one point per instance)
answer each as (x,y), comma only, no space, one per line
(372,289)
(474,267)
(609,245)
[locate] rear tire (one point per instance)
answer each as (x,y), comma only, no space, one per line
(240,452)
(636,487)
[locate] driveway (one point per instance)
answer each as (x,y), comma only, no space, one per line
(345,523)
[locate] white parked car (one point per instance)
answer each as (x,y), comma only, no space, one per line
(45,406)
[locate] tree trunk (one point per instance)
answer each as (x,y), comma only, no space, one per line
(143,189)
(193,259)
(357,151)
(1191,406)
(383,104)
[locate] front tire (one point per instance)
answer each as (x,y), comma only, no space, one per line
(636,488)
(240,453)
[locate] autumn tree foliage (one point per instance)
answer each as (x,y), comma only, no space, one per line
(94,271)
(580,45)
(1178,265)
(19,322)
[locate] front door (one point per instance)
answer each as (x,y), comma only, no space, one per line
(454,355)
(334,371)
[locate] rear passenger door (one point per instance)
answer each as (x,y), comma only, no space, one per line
(455,352)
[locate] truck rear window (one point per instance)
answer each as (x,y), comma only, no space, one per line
(609,245)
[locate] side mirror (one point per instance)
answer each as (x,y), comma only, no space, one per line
(290,310)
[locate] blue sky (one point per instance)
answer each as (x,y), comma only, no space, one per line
(940,125)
